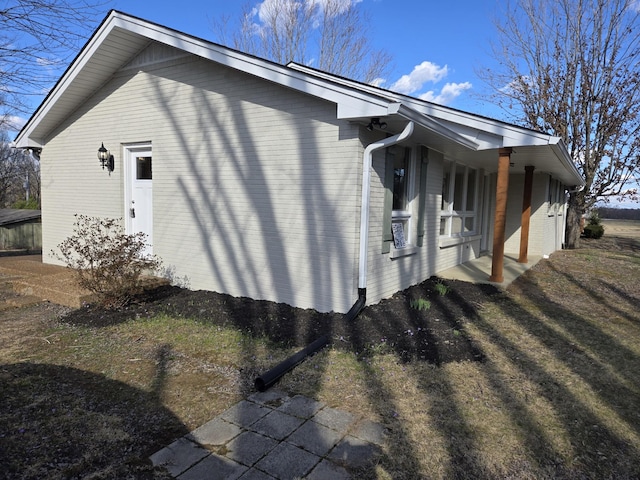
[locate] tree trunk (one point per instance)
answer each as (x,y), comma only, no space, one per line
(574,215)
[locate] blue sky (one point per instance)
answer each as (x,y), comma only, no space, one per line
(435,45)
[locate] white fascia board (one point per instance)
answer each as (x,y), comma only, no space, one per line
(433,110)
(433,125)
(23,139)
(26,142)
(511,135)
(488,133)
(351,110)
(561,151)
(473,131)
(347,98)
(354,111)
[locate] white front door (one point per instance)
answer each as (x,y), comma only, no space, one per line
(139,193)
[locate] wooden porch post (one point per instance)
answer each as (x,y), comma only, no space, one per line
(502,189)
(526,214)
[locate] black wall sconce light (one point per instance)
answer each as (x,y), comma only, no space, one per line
(106,159)
(375,122)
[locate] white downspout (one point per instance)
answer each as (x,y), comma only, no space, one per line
(366,195)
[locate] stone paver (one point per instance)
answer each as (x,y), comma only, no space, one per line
(179,456)
(273,436)
(214,467)
(272,398)
(335,419)
(255,474)
(371,432)
(353,452)
(288,461)
(277,425)
(245,413)
(250,447)
(326,470)
(215,432)
(315,438)
(302,407)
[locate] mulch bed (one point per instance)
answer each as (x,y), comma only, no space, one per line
(435,334)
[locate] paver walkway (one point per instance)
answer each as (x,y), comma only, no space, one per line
(271,435)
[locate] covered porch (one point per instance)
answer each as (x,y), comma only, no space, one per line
(479,270)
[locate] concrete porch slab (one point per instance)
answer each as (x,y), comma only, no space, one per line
(479,270)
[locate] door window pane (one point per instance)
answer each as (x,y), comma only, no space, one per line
(143,168)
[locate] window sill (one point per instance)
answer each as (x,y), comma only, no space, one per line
(403,252)
(452,241)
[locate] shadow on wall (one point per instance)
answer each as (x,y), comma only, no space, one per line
(262,220)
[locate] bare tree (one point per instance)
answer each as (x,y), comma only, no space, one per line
(19,176)
(37,37)
(330,35)
(572,68)
(9,172)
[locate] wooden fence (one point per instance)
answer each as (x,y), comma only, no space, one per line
(20,236)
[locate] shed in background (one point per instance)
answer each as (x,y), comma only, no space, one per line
(20,230)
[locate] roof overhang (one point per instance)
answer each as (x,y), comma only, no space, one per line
(120,37)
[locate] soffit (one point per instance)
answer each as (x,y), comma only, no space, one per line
(459,135)
(91,70)
(546,158)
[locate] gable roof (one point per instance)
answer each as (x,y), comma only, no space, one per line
(120,37)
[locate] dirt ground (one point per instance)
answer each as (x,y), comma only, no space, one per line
(61,419)
(434,334)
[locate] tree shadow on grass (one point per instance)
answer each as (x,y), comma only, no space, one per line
(579,369)
(434,335)
(58,422)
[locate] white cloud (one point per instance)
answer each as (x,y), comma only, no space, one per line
(421,74)
(12,123)
(447,94)
(266,9)
(46,62)
(378,82)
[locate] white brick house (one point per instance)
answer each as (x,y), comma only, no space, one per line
(278,182)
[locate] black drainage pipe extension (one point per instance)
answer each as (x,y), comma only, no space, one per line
(265,381)
(358,306)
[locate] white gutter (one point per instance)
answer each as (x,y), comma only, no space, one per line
(367,160)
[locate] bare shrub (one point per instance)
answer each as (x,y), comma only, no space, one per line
(108,262)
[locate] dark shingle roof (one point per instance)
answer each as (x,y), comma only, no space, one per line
(12,215)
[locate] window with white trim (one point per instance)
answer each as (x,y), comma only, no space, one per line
(459,208)
(405,182)
(554,197)
(402,183)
